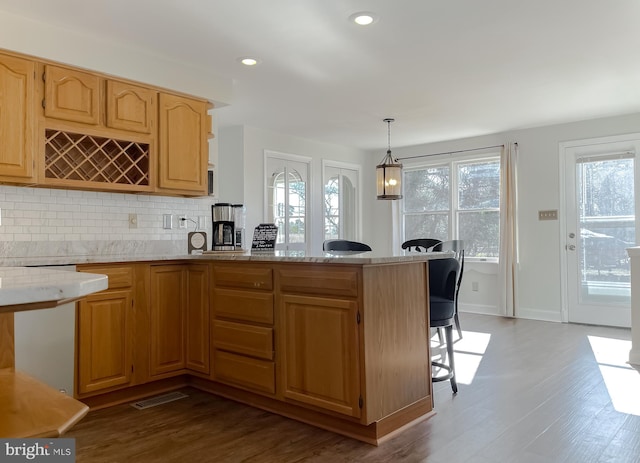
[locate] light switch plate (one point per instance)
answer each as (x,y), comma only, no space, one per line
(167,221)
(548,215)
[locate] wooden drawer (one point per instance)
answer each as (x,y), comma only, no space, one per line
(251,306)
(245,372)
(255,341)
(328,281)
(243,276)
(119,277)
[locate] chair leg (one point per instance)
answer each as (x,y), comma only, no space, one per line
(456,320)
(440,339)
(448,331)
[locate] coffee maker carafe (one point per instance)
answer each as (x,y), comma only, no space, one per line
(223,219)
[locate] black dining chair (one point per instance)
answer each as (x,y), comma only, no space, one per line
(420,244)
(457,246)
(345,245)
(443,276)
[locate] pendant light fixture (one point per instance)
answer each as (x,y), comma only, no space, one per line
(389,172)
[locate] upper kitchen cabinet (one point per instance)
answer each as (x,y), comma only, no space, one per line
(96,132)
(17,120)
(130,107)
(183,145)
(71,95)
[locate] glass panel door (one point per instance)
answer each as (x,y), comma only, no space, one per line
(600,226)
(287,188)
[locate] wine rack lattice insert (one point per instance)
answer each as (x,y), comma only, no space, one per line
(87,158)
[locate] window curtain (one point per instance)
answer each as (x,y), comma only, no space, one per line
(507,276)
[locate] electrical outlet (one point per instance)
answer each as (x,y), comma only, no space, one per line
(475,286)
(182,221)
(133,220)
(548,215)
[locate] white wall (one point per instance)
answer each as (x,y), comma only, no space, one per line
(540,243)
(231,165)
(112,57)
(254,142)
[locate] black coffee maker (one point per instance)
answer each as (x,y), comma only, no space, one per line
(223,218)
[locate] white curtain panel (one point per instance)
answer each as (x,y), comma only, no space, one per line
(507,276)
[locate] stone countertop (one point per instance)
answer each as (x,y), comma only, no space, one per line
(21,285)
(365,258)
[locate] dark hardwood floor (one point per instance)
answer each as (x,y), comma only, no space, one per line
(529,392)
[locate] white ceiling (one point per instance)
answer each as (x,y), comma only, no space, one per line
(444,69)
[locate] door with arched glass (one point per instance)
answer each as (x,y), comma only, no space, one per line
(341,201)
(287,188)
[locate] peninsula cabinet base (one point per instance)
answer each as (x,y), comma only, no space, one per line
(375,433)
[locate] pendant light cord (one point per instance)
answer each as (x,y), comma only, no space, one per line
(388,136)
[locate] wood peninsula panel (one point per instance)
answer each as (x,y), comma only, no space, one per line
(17,120)
(396,347)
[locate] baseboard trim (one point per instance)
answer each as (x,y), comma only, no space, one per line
(481,309)
(537,314)
(134,393)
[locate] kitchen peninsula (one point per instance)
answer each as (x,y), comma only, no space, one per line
(340,342)
(29,408)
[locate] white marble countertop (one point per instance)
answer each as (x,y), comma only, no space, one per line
(21,285)
(366,258)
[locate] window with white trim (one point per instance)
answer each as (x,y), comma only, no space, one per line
(455,200)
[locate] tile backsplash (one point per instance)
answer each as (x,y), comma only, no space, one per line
(36,218)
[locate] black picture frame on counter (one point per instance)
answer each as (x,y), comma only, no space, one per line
(264,237)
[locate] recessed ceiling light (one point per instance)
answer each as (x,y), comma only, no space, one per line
(363,18)
(248,61)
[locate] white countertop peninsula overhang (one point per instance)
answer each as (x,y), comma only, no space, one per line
(24,288)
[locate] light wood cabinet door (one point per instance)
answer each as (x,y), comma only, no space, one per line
(72,95)
(197,335)
(183,145)
(104,341)
(168,285)
(130,107)
(320,352)
(17,119)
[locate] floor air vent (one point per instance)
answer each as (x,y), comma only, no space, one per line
(158,400)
